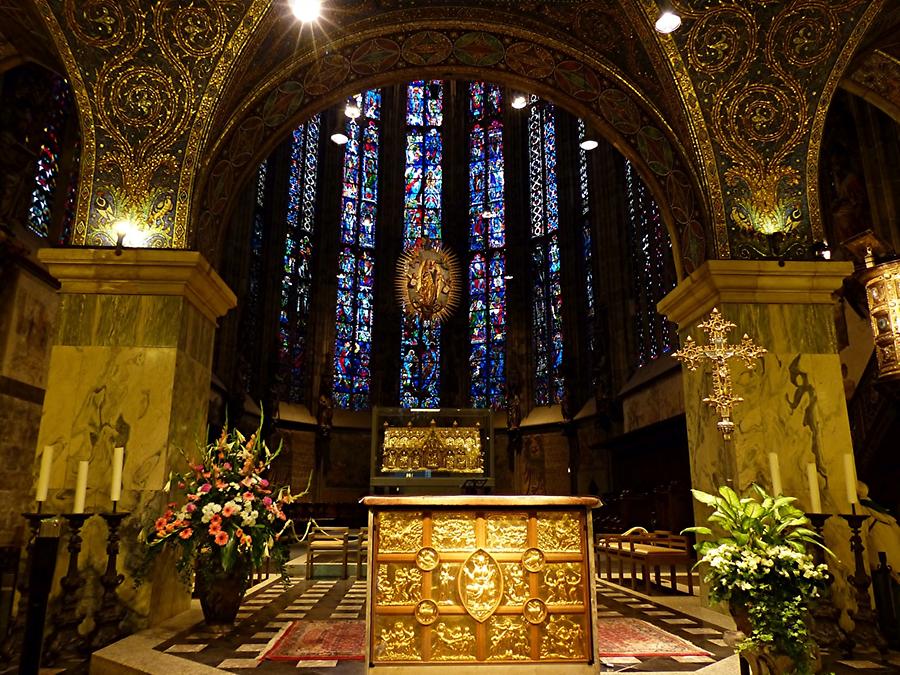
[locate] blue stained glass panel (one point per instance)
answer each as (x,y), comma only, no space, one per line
(487,238)
(354,313)
(422,216)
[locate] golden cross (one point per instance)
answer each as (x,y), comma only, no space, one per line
(719,352)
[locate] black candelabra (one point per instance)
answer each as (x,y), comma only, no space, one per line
(64,642)
(826,630)
(865,631)
(112,611)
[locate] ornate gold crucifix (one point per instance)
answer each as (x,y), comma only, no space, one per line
(719,352)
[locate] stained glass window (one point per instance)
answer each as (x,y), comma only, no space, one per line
(587,244)
(253,315)
(47,169)
(546,300)
(652,270)
(487,248)
(356,266)
(420,341)
(296,280)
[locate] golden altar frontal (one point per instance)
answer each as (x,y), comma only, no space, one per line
(465,581)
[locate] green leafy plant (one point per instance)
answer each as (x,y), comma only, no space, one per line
(230,517)
(761,566)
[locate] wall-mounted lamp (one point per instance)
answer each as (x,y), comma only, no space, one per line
(519,101)
(306,10)
(667,22)
(123,228)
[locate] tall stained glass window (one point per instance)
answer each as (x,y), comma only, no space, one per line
(587,244)
(652,270)
(487,247)
(420,342)
(47,169)
(254,310)
(296,278)
(546,300)
(356,267)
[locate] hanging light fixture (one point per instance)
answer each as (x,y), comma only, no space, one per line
(352,110)
(306,10)
(339,138)
(588,144)
(883,295)
(519,101)
(667,22)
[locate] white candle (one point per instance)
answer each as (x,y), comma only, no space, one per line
(776,474)
(80,487)
(43,484)
(115,491)
(850,478)
(815,501)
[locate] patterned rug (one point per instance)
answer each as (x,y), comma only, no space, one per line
(623,636)
(320,640)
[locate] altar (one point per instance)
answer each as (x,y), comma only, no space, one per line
(462,581)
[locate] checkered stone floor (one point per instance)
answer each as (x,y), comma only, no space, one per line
(268,612)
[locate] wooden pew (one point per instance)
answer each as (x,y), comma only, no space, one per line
(647,551)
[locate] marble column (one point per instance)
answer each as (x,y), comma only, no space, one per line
(130,365)
(794,401)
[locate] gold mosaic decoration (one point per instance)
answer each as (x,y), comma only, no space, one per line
(719,352)
(488,601)
(433,448)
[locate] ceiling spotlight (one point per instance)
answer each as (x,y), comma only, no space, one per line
(352,109)
(339,138)
(588,144)
(306,10)
(519,101)
(667,22)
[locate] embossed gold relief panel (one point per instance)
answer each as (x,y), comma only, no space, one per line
(480,586)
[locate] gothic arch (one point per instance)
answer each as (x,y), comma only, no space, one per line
(565,73)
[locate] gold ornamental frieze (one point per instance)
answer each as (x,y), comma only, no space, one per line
(480,585)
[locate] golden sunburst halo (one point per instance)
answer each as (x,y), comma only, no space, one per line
(428,280)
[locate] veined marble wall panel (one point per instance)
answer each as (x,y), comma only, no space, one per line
(793,405)
(96,396)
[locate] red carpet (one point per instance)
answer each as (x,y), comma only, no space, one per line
(622,636)
(320,640)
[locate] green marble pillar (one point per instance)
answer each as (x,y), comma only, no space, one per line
(130,365)
(794,401)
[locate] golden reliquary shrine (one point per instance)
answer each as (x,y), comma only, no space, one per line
(481,579)
(455,449)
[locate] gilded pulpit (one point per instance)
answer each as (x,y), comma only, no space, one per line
(467,580)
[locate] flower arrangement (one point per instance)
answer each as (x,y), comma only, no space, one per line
(762,568)
(231,518)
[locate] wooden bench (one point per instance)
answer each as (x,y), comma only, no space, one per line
(362,550)
(647,551)
(333,542)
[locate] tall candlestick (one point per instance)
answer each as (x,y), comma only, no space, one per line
(80,487)
(776,474)
(815,501)
(43,484)
(850,478)
(115,491)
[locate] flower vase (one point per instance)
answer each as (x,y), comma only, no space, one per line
(221,593)
(763,660)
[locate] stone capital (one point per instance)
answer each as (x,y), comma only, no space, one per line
(756,282)
(141,272)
